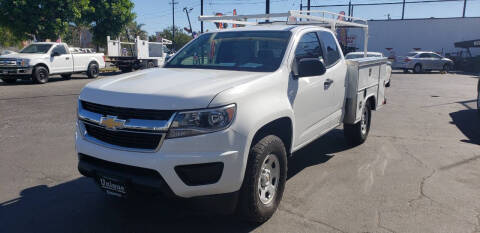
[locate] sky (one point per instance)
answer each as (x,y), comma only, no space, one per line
(157,14)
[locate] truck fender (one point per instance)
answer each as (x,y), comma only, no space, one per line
(40,63)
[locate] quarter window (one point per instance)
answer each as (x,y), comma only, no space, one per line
(332,52)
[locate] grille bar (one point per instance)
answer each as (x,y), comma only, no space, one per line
(128,113)
(127,139)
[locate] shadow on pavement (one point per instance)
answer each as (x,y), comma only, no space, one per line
(80,206)
(57,78)
(468,121)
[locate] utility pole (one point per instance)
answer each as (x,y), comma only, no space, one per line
(267,7)
(173,23)
(188,17)
(201,13)
(403,10)
(464,7)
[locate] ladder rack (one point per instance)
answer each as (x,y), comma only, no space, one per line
(296,17)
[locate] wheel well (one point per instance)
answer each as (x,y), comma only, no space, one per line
(95,62)
(373,103)
(281,128)
(41,64)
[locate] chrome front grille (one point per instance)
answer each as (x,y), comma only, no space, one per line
(116,127)
(8,62)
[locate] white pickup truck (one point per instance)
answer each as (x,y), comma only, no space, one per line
(38,61)
(220,119)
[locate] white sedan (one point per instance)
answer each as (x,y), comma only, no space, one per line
(354,55)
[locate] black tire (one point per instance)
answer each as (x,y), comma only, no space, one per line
(405,71)
(93,71)
(446,68)
(417,69)
(9,80)
(40,75)
(251,206)
(150,65)
(66,76)
(388,84)
(356,134)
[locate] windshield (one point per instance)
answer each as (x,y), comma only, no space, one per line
(243,50)
(412,54)
(36,48)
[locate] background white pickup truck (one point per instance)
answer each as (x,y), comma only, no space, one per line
(222,116)
(38,61)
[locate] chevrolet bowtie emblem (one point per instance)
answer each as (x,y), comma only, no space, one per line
(112,123)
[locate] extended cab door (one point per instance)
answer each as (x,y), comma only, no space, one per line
(309,97)
(61,60)
(335,88)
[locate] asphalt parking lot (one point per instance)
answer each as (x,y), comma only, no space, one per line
(417,172)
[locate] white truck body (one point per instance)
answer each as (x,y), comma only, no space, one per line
(56,58)
(296,108)
(130,56)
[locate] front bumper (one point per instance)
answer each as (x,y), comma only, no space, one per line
(225,147)
(15,71)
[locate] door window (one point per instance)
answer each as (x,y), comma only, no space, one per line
(309,47)
(425,55)
(60,49)
(332,52)
(436,56)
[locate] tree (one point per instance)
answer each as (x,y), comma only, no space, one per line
(43,19)
(132,30)
(181,38)
(109,18)
(7,39)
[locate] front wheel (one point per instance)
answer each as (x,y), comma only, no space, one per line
(356,134)
(264,180)
(40,75)
(446,68)
(93,70)
(417,69)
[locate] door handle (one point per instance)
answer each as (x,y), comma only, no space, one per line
(67,58)
(327,83)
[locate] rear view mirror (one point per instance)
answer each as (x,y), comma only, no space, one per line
(55,54)
(310,67)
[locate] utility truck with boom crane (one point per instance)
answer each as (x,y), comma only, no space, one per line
(219,120)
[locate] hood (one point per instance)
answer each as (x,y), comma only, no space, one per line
(160,88)
(25,55)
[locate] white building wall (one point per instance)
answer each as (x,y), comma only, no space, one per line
(437,35)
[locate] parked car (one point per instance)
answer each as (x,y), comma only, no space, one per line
(6,52)
(38,61)
(423,61)
(355,55)
(221,128)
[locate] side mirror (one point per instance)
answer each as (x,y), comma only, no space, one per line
(55,54)
(309,67)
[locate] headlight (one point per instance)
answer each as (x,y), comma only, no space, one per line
(23,62)
(202,121)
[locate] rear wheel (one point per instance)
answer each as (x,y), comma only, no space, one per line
(264,181)
(93,70)
(150,65)
(417,69)
(9,80)
(356,134)
(40,75)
